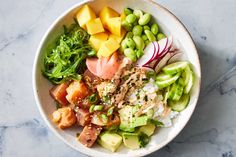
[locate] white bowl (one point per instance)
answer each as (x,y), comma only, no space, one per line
(169,24)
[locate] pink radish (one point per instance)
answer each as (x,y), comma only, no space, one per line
(163,62)
(177,56)
(149,53)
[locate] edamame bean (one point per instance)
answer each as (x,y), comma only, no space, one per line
(139,42)
(145,19)
(123,46)
(150,35)
(130,43)
(128,11)
(146,42)
(144,37)
(154,29)
(126,25)
(146,28)
(160,36)
(130,53)
(129,35)
(138,13)
(137,30)
(139,53)
(135,23)
(131,18)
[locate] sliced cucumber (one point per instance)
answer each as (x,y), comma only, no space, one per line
(178,92)
(165,83)
(162,76)
(190,83)
(186,75)
(173,88)
(175,67)
(181,104)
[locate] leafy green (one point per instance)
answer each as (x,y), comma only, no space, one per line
(66,60)
(156,122)
(143,139)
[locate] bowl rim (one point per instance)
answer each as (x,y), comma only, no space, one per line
(36,60)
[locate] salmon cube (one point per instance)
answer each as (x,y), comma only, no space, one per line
(59,93)
(77,90)
(89,135)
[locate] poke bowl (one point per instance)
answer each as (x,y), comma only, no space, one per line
(117,78)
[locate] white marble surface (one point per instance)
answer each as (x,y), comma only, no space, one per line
(209,133)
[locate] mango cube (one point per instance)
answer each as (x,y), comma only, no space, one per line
(94,26)
(107,13)
(108,47)
(84,15)
(97,40)
(122,16)
(114,25)
(118,38)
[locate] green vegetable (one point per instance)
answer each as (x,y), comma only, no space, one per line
(138,13)
(143,139)
(166,83)
(104,118)
(145,19)
(128,11)
(123,46)
(139,42)
(150,35)
(110,111)
(91,108)
(130,53)
(129,35)
(175,67)
(92,53)
(131,18)
(156,122)
(137,30)
(93,98)
(144,37)
(98,107)
(130,43)
(154,29)
(66,60)
(180,104)
(146,27)
(147,129)
(139,53)
(126,25)
(160,36)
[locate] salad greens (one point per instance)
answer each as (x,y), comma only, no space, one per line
(67,59)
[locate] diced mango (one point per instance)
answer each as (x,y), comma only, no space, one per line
(107,13)
(108,47)
(94,26)
(123,16)
(84,15)
(118,38)
(114,25)
(97,40)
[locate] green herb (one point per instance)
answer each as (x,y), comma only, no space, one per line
(151,74)
(93,98)
(156,122)
(104,118)
(143,140)
(67,59)
(98,107)
(110,111)
(91,109)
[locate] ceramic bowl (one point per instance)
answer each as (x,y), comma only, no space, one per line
(168,23)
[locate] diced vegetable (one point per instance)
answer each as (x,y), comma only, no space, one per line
(190,83)
(165,83)
(147,129)
(175,67)
(180,104)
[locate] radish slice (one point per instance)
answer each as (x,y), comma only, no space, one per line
(175,57)
(162,44)
(147,69)
(149,52)
(163,62)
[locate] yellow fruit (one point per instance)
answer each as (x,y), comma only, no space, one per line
(97,40)
(118,38)
(94,26)
(108,47)
(123,16)
(84,15)
(114,25)
(107,13)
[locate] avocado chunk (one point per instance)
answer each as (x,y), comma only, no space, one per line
(110,141)
(126,119)
(139,121)
(147,129)
(131,140)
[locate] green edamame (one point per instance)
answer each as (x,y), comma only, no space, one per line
(139,42)
(126,25)
(145,19)
(138,13)
(130,53)
(160,36)
(144,37)
(146,42)
(128,11)
(146,27)
(150,35)
(129,35)
(123,46)
(137,30)
(130,43)
(139,53)
(131,18)
(154,29)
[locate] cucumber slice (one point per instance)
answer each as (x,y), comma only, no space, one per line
(190,83)
(186,75)
(172,91)
(181,104)
(175,67)
(162,76)
(165,83)
(179,91)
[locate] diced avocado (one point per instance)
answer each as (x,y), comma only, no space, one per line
(150,113)
(110,141)
(126,119)
(139,121)
(147,129)
(131,140)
